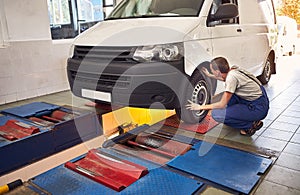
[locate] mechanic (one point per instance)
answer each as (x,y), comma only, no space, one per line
(244,102)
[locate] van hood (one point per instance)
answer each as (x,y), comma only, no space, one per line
(138,31)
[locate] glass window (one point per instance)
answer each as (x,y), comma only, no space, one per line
(268,10)
(214,7)
(89,13)
(89,10)
(68,18)
(107,3)
(59,12)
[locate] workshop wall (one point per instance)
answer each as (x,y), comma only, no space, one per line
(31,64)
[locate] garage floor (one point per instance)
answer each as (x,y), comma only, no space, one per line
(279,138)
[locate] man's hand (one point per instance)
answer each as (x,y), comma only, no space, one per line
(206,72)
(192,106)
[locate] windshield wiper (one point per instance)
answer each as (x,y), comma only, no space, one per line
(144,16)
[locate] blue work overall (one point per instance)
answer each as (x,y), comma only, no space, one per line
(240,113)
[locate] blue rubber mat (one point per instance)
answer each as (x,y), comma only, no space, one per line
(161,181)
(61,180)
(30,109)
(234,169)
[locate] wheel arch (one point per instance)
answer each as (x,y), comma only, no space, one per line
(269,68)
(212,82)
(273,61)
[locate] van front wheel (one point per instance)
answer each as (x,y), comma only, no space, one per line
(199,93)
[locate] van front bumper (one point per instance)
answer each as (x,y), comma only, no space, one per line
(129,84)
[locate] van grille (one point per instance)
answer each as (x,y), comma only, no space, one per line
(103,55)
(103,81)
(90,53)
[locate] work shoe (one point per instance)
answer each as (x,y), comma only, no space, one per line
(255,127)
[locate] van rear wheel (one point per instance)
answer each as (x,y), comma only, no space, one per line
(265,77)
(199,93)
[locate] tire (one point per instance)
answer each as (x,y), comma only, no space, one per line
(265,77)
(199,92)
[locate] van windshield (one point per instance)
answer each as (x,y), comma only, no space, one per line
(156,8)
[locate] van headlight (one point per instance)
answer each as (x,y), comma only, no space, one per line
(165,53)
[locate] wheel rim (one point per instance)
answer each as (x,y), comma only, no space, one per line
(200,96)
(267,70)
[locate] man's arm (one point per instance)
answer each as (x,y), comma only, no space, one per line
(218,105)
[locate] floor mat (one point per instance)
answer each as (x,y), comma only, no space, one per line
(232,168)
(110,171)
(206,124)
(61,180)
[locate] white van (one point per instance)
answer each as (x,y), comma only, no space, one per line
(287,35)
(148,53)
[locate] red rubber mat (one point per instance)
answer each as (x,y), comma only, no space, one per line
(167,145)
(204,126)
(14,129)
(143,154)
(114,173)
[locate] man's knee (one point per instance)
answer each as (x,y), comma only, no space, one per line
(218,115)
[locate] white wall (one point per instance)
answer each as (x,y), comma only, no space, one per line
(27,19)
(31,64)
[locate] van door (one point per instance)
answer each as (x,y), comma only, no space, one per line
(225,35)
(258,32)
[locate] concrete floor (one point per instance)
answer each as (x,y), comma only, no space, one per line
(280,135)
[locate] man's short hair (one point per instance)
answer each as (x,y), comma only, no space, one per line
(221,64)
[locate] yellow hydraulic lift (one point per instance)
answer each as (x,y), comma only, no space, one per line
(130,117)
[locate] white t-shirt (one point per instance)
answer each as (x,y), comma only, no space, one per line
(243,86)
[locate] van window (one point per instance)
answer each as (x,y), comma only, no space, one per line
(214,7)
(156,8)
(268,10)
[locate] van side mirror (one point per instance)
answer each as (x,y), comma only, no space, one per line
(226,11)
